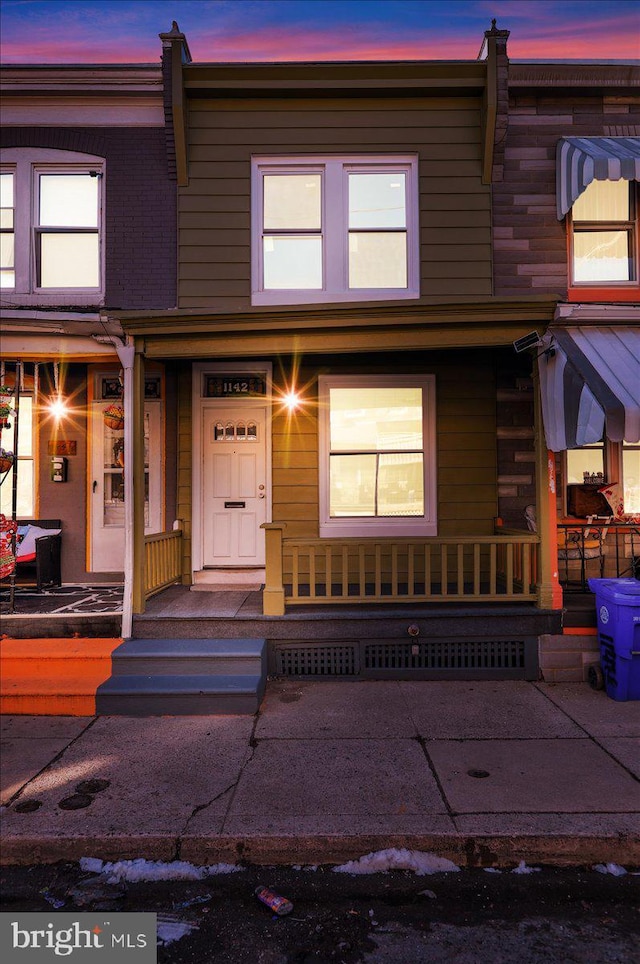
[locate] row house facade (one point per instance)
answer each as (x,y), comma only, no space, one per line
(373,395)
(88,228)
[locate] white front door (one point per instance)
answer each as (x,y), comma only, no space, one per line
(234,496)
(107,486)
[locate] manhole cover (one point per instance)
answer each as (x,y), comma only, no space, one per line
(28,806)
(77,801)
(479,774)
(92,786)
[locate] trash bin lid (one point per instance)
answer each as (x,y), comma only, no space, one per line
(624,591)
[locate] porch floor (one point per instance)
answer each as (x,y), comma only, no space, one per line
(179,601)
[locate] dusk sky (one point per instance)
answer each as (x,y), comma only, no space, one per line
(126,31)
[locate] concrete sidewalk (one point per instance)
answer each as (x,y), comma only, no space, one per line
(484,773)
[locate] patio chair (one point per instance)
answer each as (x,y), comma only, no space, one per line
(576,548)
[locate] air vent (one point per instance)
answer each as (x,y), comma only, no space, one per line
(316,660)
(467,654)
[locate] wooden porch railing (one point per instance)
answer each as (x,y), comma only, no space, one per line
(497,568)
(162,560)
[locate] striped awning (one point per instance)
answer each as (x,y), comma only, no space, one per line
(590,385)
(580,160)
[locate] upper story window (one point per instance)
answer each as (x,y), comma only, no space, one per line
(334,229)
(604,235)
(51,227)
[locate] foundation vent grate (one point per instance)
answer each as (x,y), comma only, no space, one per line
(316,661)
(463,655)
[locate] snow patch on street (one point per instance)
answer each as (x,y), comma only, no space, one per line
(614,869)
(144,870)
(380,861)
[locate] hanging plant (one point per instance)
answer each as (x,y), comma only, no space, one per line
(6,460)
(114,417)
(5,412)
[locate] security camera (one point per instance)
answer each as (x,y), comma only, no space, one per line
(532,340)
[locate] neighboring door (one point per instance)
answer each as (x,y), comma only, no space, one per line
(234,486)
(107,486)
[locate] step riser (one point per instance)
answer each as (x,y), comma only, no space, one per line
(185,666)
(188,705)
(36,705)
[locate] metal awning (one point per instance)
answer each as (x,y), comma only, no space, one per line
(590,385)
(580,160)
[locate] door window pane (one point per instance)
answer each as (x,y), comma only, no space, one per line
(377,201)
(292,202)
(69,200)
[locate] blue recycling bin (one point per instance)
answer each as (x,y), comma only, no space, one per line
(618,609)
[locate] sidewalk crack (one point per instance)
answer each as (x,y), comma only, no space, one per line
(229,789)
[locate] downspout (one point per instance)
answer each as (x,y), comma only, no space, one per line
(126,354)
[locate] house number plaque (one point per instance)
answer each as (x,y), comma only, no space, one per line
(241,385)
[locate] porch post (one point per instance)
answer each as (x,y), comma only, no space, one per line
(273,594)
(138,595)
(549,589)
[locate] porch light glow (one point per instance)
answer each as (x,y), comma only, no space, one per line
(292,400)
(57,407)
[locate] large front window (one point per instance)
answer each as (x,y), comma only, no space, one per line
(377,467)
(604,236)
(51,227)
(334,230)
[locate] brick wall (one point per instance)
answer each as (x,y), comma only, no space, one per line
(530,253)
(140,204)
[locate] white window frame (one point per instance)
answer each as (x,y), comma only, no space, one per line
(407,526)
(334,173)
(27,164)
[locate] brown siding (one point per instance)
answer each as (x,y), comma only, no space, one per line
(214,211)
(530,253)
(466,446)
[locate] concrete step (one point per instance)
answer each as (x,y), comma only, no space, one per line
(53,677)
(167,695)
(189,657)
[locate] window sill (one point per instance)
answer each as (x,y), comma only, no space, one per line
(626,294)
(54,298)
(275,298)
(377,529)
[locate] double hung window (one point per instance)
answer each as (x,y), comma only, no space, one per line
(604,235)
(51,227)
(377,455)
(334,229)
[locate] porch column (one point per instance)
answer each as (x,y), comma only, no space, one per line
(548,588)
(138,601)
(273,594)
